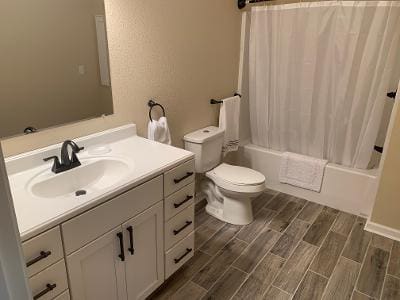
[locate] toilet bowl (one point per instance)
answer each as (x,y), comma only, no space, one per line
(229,189)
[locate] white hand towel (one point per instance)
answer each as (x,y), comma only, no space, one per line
(302,171)
(229,115)
(159,131)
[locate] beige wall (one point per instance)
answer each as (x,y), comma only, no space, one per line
(387,204)
(43,43)
(181,52)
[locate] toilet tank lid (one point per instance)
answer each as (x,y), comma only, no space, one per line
(204,134)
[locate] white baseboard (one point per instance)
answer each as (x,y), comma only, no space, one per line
(388,232)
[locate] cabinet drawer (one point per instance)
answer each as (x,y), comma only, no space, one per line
(88,226)
(179,200)
(49,283)
(178,255)
(179,226)
(63,296)
(178,177)
(43,251)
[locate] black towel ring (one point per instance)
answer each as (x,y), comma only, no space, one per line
(153,103)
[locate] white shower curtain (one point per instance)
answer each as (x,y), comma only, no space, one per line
(319,74)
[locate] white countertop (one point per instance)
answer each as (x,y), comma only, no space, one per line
(147,159)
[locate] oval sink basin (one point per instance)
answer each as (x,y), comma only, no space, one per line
(91,176)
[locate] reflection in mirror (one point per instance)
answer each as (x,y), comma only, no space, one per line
(54,64)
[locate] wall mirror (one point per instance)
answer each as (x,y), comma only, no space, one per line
(54,64)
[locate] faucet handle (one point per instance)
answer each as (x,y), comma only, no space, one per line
(56,166)
(50,158)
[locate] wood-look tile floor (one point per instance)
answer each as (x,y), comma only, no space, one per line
(294,249)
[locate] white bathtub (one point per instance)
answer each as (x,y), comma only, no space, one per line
(346,189)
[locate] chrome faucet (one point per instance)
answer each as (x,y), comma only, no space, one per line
(67,162)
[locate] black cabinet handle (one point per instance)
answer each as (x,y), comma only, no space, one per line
(188,250)
(188,174)
(131,249)
(49,288)
(176,205)
(43,255)
(176,231)
(121,245)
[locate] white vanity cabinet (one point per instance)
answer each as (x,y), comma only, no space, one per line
(144,265)
(125,263)
(45,265)
(179,216)
(122,249)
(96,271)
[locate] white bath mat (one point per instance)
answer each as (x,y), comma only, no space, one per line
(302,171)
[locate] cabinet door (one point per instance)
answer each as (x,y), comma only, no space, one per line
(96,271)
(144,248)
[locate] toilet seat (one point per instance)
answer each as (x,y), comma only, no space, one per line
(237,179)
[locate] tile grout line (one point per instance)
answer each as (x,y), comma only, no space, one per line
(298,243)
(291,295)
(269,251)
(316,273)
(316,254)
(210,259)
(234,236)
(208,262)
(202,244)
(249,245)
(185,284)
(265,225)
(361,266)
(255,267)
(386,272)
(341,255)
(270,200)
(355,290)
(240,285)
(231,265)
(284,264)
(262,208)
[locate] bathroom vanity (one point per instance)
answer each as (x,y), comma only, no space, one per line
(114,228)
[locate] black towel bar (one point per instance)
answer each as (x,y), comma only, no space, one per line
(392,94)
(213,101)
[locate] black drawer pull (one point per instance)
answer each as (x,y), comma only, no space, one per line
(121,246)
(188,174)
(188,250)
(49,288)
(176,205)
(176,231)
(131,249)
(43,255)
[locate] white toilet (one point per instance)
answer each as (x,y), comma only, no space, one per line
(229,189)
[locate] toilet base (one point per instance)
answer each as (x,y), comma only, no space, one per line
(233,211)
(242,215)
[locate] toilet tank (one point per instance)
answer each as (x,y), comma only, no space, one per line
(206,144)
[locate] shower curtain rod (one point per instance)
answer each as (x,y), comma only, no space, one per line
(242,3)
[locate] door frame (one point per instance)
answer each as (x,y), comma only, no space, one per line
(13,278)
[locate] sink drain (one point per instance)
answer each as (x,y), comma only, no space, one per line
(80,193)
